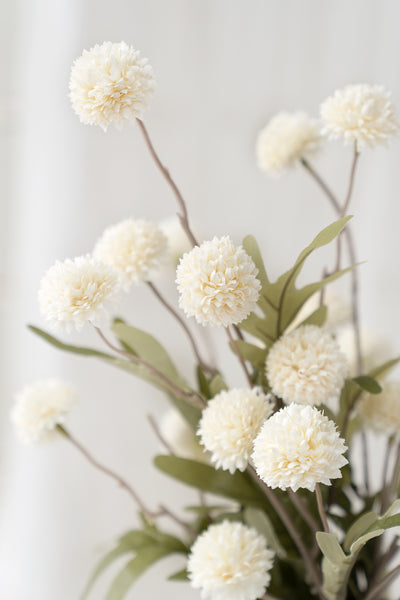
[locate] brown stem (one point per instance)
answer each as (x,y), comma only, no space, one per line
(184,326)
(301,506)
(121,482)
(240,357)
(327,191)
(375,592)
(159,435)
(392,489)
(139,361)
(385,486)
(314,574)
(164,511)
(183,215)
(321,508)
(346,204)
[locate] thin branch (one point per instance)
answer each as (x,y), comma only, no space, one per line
(321,508)
(183,215)
(392,489)
(327,191)
(164,511)
(184,326)
(120,481)
(376,591)
(139,361)
(302,507)
(159,435)
(350,188)
(240,357)
(314,574)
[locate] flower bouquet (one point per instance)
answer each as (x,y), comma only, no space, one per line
(281,511)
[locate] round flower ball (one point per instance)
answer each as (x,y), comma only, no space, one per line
(286,139)
(230,423)
(217,282)
(298,447)
(381,412)
(75,291)
(230,561)
(136,249)
(361,114)
(110,84)
(40,407)
(306,366)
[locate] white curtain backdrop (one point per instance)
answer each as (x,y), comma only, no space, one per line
(223,68)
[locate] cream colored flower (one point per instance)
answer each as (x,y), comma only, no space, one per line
(361,114)
(110,83)
(375,348)
(381,412)
(306,366)
(298,447)
(136,249)
(74,291)
(230,423)
(230,561)
(286,139)
(218,283)
(40,407)
(180,437)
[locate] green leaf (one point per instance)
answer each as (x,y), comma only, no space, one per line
(217,385)
(146,347)
(318,317)
(69,347)
(252,353)
(368,384)
(179,576)
(281,301)
(359,527)
(237,486)
(134,569)
(259,520)
(383,369)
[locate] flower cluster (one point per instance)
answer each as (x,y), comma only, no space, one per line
(217,282)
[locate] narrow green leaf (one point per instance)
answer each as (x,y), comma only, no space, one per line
(134,569)
(252,353)
(318,317)
(359,527)
(68,347)
(383,369)
(204,477)
(179,576)
(217,385)
(260,521)
(330,547)
(368,384)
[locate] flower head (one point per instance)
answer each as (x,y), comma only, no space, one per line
(306,366)
(40,407)
(110,83)
(230,561)
(381,412)
(74,291)
(286,139)
(298,447)
(180,437)
(218,283)
(361,114)
(230,423)
(134,248)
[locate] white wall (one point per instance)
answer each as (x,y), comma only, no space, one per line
(223,68)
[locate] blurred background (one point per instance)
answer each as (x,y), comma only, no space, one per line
(223,68)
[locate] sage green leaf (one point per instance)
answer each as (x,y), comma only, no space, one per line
(145,558)
(252,353)
(68,347)
(217,385)
(383,369)
(179,576)
(318,317)
(259,520)
(368,384)
(237,486)
(145,346)
(281,301)
(359,527)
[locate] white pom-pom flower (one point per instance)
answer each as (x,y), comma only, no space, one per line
(230,423)
(286,139)
(180,437)
(306,366)
(40,407)
(230,561)
(298,447)
(74,291)
(136,249)
(218,283)
(362,114)
(381,412)
(110,84)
